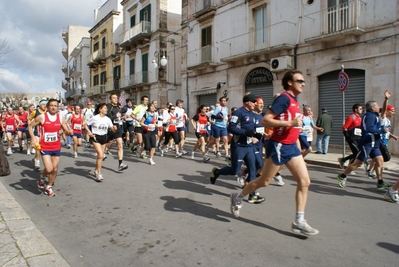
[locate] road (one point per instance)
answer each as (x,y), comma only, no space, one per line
(170,215)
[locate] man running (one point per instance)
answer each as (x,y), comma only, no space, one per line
(88,113)
(137,114)
(22,127)
(77,123)
(51,123)
(113,112)
(283,148)
(35,137)
(10,121)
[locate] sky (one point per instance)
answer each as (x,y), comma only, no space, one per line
(32,30)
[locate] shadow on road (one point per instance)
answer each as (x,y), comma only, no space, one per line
(388,246)
(205,210)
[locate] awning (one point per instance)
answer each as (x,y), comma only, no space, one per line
(205,91)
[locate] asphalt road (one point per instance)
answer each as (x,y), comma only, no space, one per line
(170,215)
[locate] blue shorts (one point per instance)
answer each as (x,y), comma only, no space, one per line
(368,150)
(78,135)
(281,153)
(12,133)
(56,153)
(181,129)
(303,139)
(218,131)
(23,130)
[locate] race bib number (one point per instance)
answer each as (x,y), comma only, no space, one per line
(357,132)
(201,128)
(173,122)
(50,137)
(151,127)
(10,128)
(307,129)
(260,130)
(77,126)
(159,123)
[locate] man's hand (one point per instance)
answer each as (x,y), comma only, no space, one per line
(387,94)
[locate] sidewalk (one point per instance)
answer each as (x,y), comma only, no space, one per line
(22,244)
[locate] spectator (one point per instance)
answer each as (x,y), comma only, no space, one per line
(324,121)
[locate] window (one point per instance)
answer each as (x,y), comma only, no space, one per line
(103,77)
(117,75)
(145,13)
(131,67)
(103,43)
(144,59)
(95,46)
(132,21)
(206,44)
(95,80)
(260,26)
(338,15)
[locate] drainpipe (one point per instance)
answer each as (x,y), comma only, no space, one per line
(298,35)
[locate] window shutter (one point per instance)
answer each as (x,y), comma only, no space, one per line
(132,21)
(131,71)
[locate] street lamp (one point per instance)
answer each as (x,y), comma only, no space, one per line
(159,62)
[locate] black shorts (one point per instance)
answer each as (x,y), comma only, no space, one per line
(114,135)
(150,139)
(138,130)
(385,152)
(100,139)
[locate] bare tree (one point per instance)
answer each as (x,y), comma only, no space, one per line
(4,50)
(12,99)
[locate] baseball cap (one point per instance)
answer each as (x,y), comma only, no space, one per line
(249,98)
(390,108)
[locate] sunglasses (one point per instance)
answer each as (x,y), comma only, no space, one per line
(300,81)
(172,109)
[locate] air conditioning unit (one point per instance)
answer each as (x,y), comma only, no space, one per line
(281,63)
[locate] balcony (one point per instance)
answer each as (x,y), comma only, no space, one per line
(65,51)
(74,93)
(258,42)
(141,77)
(137,35)
(335,22)
(97,58)
(204,9)
(98,89)
(64,67)
(128,81)
(65,34)
(75,70)
(64,85)
(201,58)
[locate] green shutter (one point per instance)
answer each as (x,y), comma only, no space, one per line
(131,71)
(132,21)
(149,12)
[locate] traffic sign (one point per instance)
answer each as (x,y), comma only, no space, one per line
(343,81)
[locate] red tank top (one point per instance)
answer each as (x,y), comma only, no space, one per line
(287,135)
(50,138)
(24,119)
(9,124)
(172,125)
(76,123)
(202,123)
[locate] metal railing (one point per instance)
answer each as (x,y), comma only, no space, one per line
(336,19)
(141,77)
(64,67)
(199,56)
(128,80)
(201,5)
(282,33)
(141,27)
(98,89)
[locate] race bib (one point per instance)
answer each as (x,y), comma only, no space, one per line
(50,137)
(307,128)
(173,122)
(10,127)
(151,127)
(77,126)
(260,130)
(201,128)
(357,132)
(159,123)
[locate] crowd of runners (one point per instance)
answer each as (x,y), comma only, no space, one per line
(264,139)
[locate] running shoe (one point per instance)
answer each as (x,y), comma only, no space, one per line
(218,155)
(228,161)
(206,159)
(383,186)
(304,228)
(178,155)
(279,180)
(255,199)
(341,181)
(143,155)
(9,151)
(341,163)
(162,151)
(41,183)
(192,155)
(241,181)
(104,157)
(371,174)
(151,162)
(122,167)
(21,148)
(235,205)
(75,156)
(131,150)
(68,146)
(49,191)
(37,164)
(366,165)
(392,196)
(28,152)
(184,152)
(214,175)
(99,176)
(33,150)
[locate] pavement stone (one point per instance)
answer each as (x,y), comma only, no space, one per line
(22,244)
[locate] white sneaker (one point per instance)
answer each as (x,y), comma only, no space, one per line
(37,164)
(33,151)
(178,155)
(76,156)
(9,151)
(192,155)
(151,162)
(28,153)
(279,180)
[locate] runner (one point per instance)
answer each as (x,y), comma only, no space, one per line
(149,124)
(35,137)
(200,122)
(137,114)
(51,123)
(10,121)
(180,124)
(23,126)
(171,131)
(31,108)
(77,123)
(100,124)
(88,113)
